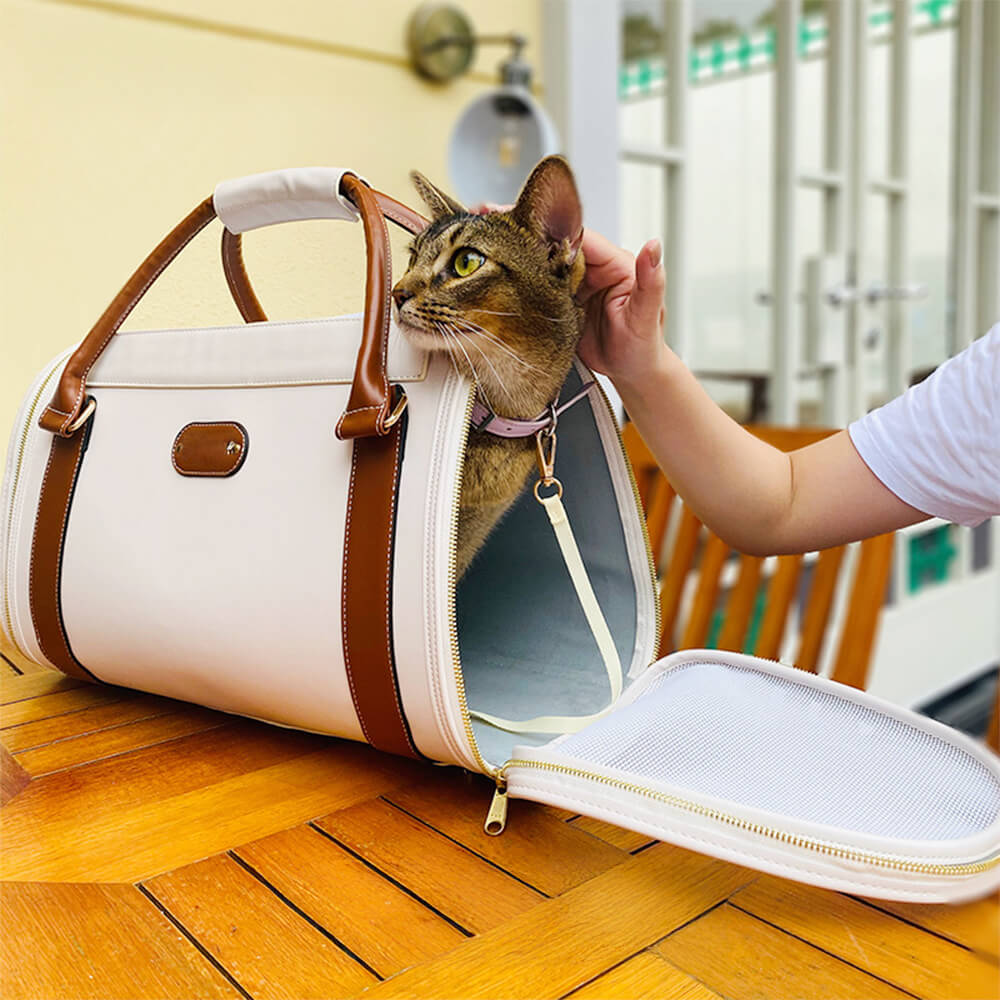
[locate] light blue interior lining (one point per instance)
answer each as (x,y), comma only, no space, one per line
(525,645)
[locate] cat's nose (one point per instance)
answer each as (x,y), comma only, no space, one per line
(401,296)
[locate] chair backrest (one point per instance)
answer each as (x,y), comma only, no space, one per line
(756,614)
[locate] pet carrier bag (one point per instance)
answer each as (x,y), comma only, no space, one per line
(262,519)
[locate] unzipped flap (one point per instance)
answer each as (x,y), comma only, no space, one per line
(783,771)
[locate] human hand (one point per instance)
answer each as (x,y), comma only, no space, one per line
(622,297)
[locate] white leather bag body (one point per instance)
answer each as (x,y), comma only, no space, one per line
(263,518)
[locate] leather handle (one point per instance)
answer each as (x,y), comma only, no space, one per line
(62,416)
(283,196)
(234,266)
(65,413)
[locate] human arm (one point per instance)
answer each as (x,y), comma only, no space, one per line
(758,499)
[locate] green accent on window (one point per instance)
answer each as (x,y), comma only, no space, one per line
(931,555)
(934,9)
(744,52)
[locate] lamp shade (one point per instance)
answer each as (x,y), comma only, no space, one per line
(496,141)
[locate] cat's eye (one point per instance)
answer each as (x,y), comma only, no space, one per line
(466,261)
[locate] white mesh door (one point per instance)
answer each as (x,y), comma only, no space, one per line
(762,763)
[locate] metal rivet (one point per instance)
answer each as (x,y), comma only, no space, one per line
(232,448)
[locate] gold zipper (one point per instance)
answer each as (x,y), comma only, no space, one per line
(795,840)
(497,773)
(13,497)
(456,659)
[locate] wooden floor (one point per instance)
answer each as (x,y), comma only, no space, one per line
(155,850)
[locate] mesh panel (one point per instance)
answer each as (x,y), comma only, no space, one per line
(772,744)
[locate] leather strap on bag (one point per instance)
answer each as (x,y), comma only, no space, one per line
(239,281)
(47,552)
(374,418)
(63,414)
(366,591)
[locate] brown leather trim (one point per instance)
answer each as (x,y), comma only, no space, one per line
(235,269)
(216,449)
(45,578)
(238,280)
(401,214)
(366,594)
(68,399)
(369,404)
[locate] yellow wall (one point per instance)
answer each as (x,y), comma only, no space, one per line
(117,118)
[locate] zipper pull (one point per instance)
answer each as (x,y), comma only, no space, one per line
(496,818)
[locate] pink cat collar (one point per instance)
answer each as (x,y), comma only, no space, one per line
(484,419)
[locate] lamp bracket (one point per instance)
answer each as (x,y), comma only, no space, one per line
(443,44)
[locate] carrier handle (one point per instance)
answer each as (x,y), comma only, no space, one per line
(372,407)
(234,266)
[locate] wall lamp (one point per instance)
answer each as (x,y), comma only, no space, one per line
(501,134)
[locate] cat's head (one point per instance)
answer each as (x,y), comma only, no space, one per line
(495,291)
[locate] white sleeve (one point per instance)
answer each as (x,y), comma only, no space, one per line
(937,446)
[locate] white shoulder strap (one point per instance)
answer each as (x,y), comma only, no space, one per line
(595,619)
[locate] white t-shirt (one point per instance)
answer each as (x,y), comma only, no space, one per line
(937,446)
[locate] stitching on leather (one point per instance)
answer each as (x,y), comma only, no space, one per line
(343,600)
(130,305)
(31,562)
(62,538)
(407,224)
(189,473)
(397,699)
(62,413)
(361,409)
(63,639)
(384,233)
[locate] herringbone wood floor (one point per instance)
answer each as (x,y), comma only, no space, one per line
(152,849)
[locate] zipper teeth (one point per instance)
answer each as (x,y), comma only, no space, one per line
(456,659)
(22,447)
(497,772)
(657,611)
(820,846)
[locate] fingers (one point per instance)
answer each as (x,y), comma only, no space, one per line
(646,301)
(484,207)
(607,264)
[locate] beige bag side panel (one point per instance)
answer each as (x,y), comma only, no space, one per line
(224,592)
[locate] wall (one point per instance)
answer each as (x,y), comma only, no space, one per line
(117,118)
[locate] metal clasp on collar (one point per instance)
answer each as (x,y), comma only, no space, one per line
(545,453)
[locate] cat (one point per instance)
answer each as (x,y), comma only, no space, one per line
(495,292)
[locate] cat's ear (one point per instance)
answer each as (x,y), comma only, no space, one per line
(549,205)
(440,204)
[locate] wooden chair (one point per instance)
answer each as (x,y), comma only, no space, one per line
(752,601)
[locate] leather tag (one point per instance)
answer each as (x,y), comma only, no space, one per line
(210,449)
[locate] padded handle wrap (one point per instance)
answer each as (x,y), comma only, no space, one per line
(290,195)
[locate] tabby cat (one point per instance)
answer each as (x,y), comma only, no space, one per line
(495,292)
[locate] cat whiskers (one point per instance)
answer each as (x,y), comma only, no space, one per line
(460,333)
(531,312)
(496,341)
(450,338)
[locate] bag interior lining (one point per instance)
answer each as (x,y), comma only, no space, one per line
(525,645)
